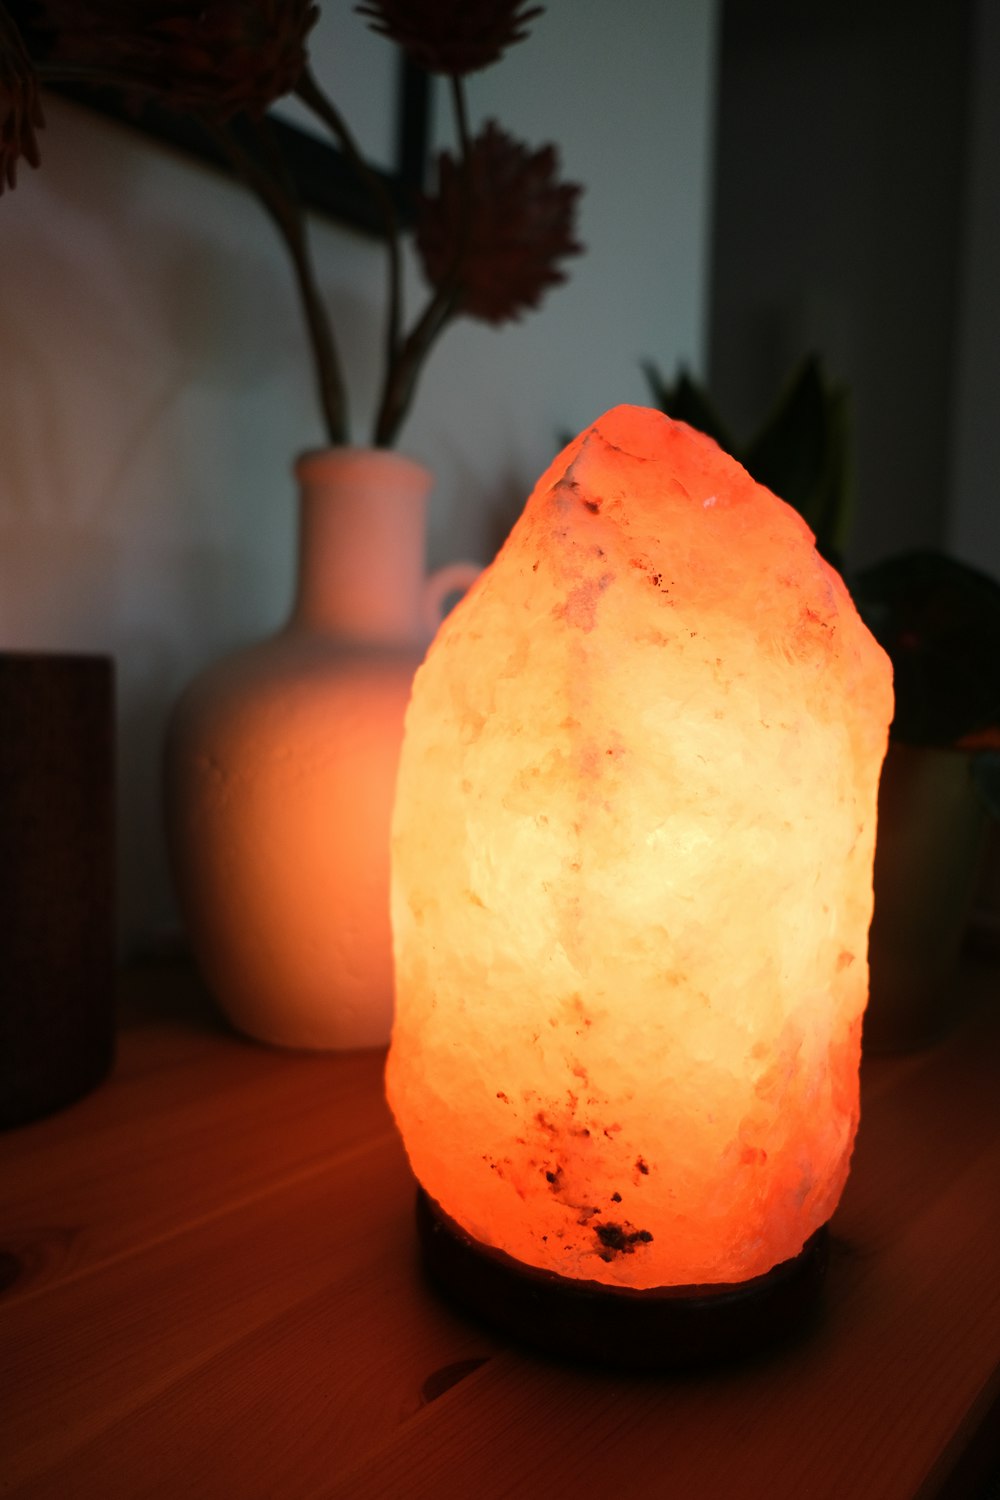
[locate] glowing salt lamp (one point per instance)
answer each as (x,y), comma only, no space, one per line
(632,885)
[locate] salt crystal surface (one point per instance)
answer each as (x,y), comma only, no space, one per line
(632,852)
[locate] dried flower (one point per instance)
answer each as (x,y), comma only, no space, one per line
(520,223)
(213,59)
(20,109)
(491,238)
(451,36)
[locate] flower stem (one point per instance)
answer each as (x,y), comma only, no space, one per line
(401,378)
(280,201)
(461,113)
(403,371)
(276,192)
(313,96)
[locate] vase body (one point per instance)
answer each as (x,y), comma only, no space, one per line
(281,766)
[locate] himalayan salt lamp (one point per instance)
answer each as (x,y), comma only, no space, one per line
(632,885)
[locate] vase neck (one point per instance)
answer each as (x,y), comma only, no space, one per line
(362,518)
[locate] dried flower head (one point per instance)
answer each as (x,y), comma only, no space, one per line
(451,36)
(212,58)
(503,247)
(20,109)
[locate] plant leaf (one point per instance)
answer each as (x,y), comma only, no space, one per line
(790,453)
(835,507)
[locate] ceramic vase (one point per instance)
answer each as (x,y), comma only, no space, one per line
(281,766)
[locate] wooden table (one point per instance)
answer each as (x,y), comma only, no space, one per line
(212,1290)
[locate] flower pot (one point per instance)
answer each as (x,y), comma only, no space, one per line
(281,766)
(932,830)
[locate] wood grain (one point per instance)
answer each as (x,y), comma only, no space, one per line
(195,1120)
(217,1294)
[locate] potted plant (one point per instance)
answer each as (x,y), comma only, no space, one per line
(939,622)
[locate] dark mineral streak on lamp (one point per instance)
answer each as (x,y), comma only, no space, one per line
(632,885)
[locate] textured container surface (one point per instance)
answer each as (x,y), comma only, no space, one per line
(281,768)
(633,846)
(282,765)
(57,912)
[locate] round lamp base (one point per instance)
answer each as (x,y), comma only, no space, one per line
(660,1328)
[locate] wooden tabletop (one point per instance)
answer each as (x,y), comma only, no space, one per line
(212,1290)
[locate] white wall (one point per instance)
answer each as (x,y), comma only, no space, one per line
(974,519)
(156,381)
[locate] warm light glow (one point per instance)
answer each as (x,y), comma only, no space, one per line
(632,849)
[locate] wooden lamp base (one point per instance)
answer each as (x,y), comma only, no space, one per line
(660,1328)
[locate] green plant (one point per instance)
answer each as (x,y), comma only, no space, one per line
(939,622)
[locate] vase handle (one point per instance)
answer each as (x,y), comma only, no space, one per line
(453,578)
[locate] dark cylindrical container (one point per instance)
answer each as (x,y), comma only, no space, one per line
(57,926)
